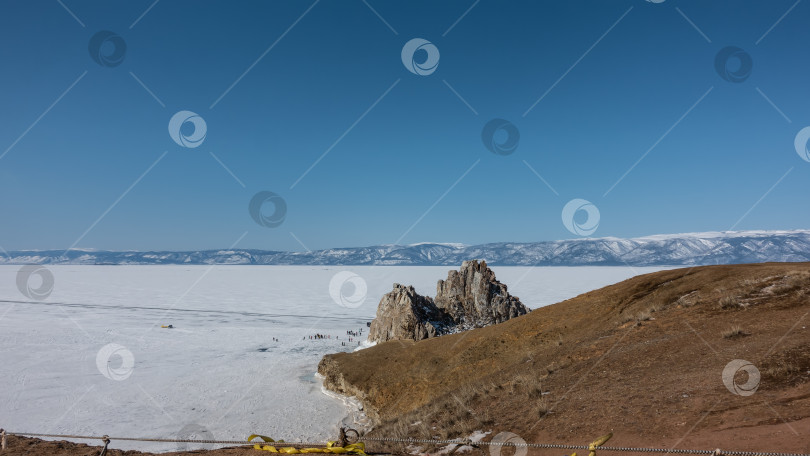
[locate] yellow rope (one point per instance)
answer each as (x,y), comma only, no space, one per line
(596,444)
(354,448)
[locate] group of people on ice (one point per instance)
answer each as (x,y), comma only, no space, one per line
(352,336)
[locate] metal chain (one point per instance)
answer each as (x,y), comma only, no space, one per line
(424,441)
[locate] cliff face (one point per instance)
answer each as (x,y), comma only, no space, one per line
(404,314)
(474,298)
(470,298)
(335,380)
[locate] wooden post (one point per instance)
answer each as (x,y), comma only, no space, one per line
(106,442)
(350,440)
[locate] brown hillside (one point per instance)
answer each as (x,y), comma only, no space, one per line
(643,358)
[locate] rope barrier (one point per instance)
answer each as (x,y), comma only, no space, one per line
(560,446)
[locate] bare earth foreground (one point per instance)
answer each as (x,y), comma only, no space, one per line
(643,359)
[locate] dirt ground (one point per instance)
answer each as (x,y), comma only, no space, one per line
(21,446)
(764,436)
(644,359)
(26,446)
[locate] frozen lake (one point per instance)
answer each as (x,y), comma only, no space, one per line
(91,358)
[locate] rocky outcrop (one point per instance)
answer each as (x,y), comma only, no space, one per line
(470,298)
(404,314)
(473,297)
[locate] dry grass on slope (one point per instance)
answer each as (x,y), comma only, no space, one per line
(643,357)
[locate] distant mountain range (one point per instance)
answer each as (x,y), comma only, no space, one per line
(729,247)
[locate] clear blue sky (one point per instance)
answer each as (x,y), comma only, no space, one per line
(391,177)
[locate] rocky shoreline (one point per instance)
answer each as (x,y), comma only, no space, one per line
(469,298)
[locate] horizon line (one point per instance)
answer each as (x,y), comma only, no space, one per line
(459,245)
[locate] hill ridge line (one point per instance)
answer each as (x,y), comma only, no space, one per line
(688,249)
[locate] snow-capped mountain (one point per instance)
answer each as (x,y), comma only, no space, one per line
(672,249)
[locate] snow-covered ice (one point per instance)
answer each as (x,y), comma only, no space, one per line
(93,359)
